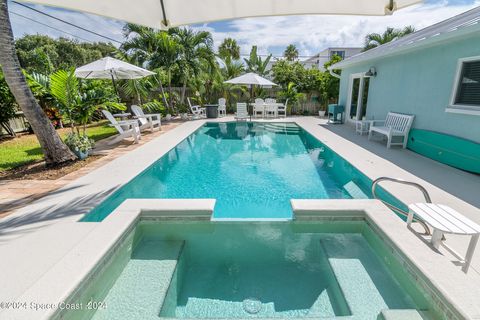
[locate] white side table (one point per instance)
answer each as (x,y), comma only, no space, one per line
(362,126)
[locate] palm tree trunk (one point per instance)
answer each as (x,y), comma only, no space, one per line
(163,96)
(54,150)
(184,88)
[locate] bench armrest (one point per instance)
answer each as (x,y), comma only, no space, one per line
(376,121)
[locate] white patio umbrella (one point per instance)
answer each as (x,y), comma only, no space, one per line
(251,79)
(171,13)
(111,68)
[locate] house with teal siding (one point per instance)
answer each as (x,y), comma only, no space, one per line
(433,74)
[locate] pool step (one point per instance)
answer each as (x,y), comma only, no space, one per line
(150,270)
(365,282)
(355,191)
(404,315)
(281,128)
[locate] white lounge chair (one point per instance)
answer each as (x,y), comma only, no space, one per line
(395,125)
(126,129)
(147,120)
(197,111)
(242,112)
(270,100)
(444,219)
(282,109)
(222,107)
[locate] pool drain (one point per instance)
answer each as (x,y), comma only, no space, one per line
(252,305)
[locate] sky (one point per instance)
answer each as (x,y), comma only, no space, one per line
(311,34)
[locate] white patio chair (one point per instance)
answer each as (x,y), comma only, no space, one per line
(222,107)
(270,110)
(270,100)
(133,129)
(282,109)
(197,111)
(242,112)
(395,125)
(147,120)
(258,109)
(259,101)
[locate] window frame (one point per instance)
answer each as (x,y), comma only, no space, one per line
(335,52)
(456,107)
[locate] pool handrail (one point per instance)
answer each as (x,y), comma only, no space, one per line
(396,209)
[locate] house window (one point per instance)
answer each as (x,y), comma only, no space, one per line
(339,53)
(466,92)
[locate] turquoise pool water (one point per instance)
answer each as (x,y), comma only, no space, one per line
(252,270)
(252,169)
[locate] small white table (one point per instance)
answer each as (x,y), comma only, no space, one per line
(123,117)
(362,126)
(444,219)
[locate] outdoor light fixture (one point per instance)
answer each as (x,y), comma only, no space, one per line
(372,72)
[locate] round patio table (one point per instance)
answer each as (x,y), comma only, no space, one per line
(212,110)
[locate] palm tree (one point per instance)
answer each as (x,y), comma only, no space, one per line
(256,64)
(373,40)
(195,49)
(155,49)
(53,148)
(229,49)
(232,69)
(291,53)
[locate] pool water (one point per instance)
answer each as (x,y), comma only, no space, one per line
(254,270)
(252,170)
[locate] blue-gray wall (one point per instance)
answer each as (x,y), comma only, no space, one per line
(420,83)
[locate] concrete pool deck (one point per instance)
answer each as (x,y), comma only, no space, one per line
(37,237)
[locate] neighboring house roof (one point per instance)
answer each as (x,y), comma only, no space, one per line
(462,24)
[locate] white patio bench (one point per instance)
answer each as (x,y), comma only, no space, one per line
(444,219)
(395,125)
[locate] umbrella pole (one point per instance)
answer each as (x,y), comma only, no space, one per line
(251,100)
(114,84)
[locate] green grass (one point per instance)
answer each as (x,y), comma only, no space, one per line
(24,149)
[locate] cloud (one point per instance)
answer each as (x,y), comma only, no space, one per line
(311,34)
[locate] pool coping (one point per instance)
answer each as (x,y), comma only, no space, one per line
(451,292)
(118,172)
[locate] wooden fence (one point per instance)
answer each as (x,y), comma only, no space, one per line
(18,124)
(309,106)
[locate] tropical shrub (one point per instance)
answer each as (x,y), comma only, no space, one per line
(155,106)
(7,106)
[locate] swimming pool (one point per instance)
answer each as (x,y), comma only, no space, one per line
(252,169)
(303,269)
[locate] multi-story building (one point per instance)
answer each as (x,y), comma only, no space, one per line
(324,56)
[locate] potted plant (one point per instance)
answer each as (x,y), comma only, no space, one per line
(79,144)
(321,112)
